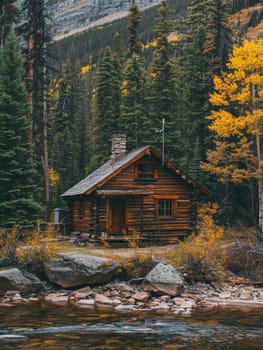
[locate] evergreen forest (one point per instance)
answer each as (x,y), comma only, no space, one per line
(197,65)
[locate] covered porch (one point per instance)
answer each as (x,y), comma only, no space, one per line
(125,215)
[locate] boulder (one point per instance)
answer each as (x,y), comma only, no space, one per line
(14,279)
(164,279)
(74,270)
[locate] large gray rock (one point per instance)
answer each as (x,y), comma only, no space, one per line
(164,279)
(74,270)
(14,279)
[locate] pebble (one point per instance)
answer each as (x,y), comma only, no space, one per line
(246,295)
(163,306)
(225,295)
(103,299)
(57,298)
(124,307)
(86,302)
(141,296)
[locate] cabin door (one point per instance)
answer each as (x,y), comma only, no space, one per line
(117,215)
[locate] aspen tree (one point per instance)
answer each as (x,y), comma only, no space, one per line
(237,121)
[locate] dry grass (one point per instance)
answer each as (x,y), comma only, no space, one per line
(117,253)
(231,237)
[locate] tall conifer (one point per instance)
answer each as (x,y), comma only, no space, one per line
(9,14)
(197,85)
(133,103)
(34,30)
(219,35)
(107,104)
(17,188)
(162,94)
(68,132)
(134,39)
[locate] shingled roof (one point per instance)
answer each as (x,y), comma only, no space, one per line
(113,167)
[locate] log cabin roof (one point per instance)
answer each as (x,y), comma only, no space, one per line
(114,166)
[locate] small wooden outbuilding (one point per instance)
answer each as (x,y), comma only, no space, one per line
(137,192)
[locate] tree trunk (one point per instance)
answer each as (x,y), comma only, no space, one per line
(258,129)
(260,208)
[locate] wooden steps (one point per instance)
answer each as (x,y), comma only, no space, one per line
(145,240)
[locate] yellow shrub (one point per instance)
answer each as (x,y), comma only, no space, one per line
(27,247)
(8,242)
(200,255)
(132,239)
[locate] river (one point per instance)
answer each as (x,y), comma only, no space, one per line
(43,326)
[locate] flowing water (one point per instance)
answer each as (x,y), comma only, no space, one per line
(47,327)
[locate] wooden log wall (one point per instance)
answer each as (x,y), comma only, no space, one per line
(102,215)
(84,218)
(90,213)
(167,184)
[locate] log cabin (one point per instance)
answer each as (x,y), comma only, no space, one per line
(138,192)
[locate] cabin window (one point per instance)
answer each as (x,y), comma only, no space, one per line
(165,206)
(146,171)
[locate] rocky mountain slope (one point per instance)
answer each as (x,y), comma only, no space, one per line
(71,16)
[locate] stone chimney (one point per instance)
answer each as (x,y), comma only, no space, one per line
(118,144)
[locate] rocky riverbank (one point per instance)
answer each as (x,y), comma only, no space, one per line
(163,289)
(123,297)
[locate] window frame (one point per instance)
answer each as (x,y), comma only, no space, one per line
(139,174)
(173,199)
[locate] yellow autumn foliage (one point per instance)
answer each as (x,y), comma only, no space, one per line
(124,88)
(85,69)
(132,239)
(200,253)
(237,117)
(174,38)
(53,177)
(27,247)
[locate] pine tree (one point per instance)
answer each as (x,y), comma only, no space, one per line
(133,102)
(68,131)
(162,95)
(36,36)
(197,85)
(219,35)
(117,47)
(203,39)
(107,100)
(197,15)
(9,15)
(134,39)
(17,192)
